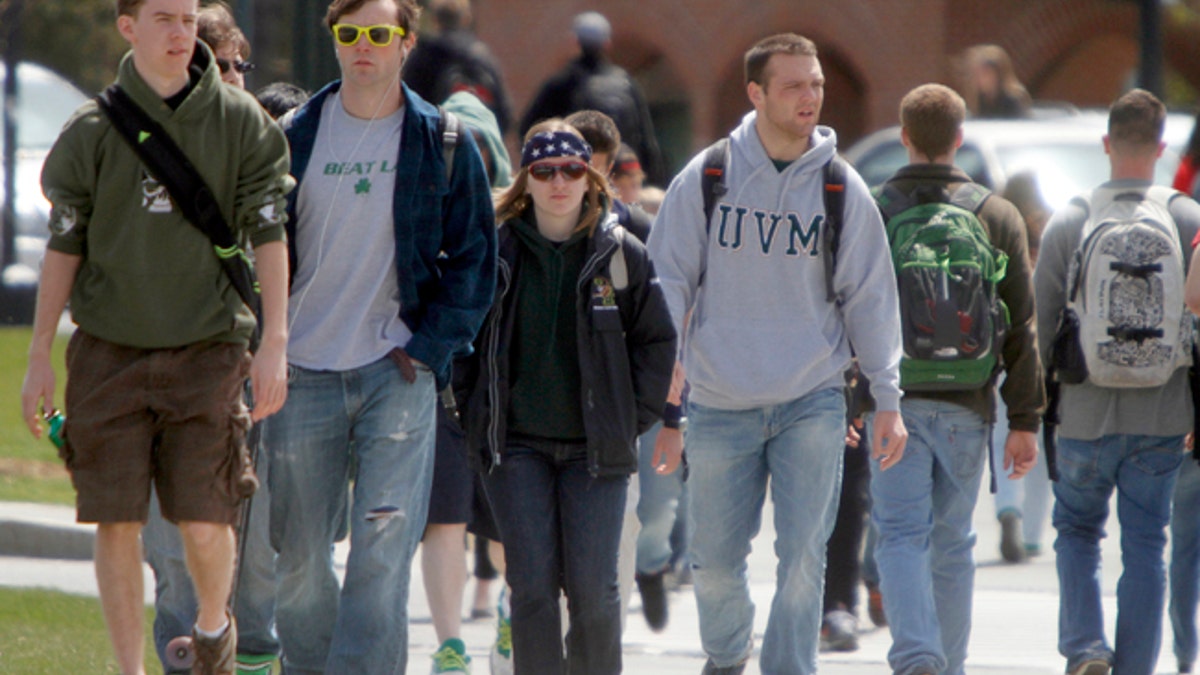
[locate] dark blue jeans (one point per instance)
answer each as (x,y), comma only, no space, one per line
(561,528)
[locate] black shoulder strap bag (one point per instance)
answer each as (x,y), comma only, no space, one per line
(171,167)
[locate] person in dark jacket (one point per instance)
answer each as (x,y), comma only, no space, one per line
(394,271)
(454,59)
(573,362)
(593,82)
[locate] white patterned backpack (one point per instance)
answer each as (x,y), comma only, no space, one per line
(1126,287)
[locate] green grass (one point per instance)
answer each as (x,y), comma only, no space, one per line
(29,468)
(49,632)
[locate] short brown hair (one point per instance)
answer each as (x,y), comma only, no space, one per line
(932,114)
(598,129)
(128,7)
(216,26)
(1136,120)
(407,13)
(785,43)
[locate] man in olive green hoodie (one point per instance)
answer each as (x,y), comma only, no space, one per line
(155,371)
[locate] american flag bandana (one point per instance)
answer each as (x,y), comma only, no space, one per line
(549,144)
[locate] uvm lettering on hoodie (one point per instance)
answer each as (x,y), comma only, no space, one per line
(773,230)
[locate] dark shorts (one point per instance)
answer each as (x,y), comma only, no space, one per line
(451,499)
(457,495)
(174,417)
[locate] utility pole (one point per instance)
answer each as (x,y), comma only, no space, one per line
(10,40)
(1150,75)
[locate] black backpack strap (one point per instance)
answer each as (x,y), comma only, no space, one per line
(712,183)
(449,128)
(835,203)
(1050,422)
(712,177)
(171,167)
(892,201)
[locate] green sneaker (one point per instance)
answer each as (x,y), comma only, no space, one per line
(500,658)
(451,658)
(255,664)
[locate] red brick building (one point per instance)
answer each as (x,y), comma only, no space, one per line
(687,54)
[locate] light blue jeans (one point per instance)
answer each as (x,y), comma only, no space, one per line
(1185,561)
(732,453)
(370,427)
(657,507)
(174,598)
(1143,470)
(922,508)
(1028,497)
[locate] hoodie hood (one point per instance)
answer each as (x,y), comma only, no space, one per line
(752,155)
(476,115)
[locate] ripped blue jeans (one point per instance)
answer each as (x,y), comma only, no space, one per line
(370,428)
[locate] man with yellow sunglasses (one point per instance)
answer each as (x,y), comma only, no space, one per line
(394,259)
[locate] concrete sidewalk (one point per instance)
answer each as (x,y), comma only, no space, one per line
(1014,625)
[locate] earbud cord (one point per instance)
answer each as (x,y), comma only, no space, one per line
(337,190)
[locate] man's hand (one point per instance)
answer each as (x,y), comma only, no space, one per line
(889,439)
(668,451)
(1020,452)
(58,276)
(852,432)
(268,378)
(37,393)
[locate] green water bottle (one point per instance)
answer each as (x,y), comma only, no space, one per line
(55,419)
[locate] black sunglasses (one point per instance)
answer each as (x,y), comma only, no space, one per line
(242,67)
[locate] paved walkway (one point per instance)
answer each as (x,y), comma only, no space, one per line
(1015,617)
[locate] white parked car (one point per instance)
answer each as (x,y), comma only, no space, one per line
(1064,151)
(44,103)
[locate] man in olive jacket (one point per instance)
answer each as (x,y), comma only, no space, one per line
(156,369)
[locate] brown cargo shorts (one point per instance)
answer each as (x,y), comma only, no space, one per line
(174,417)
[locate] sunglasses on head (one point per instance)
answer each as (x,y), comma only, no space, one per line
(242,67)
(380,35)
(545,173)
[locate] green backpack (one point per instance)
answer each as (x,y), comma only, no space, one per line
(947,270)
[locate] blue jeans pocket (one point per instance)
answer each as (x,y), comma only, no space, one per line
(966,435)
(1157,461)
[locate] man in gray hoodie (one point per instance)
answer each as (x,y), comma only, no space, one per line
(765,354)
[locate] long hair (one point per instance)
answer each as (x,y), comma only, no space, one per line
(515,201)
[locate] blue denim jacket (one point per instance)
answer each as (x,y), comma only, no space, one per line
(445,229)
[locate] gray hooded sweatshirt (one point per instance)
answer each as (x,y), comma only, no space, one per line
(761,332)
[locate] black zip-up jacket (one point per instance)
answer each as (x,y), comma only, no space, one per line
(626,344)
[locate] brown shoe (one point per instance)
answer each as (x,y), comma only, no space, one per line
(216,656)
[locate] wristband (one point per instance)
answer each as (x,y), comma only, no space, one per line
(678,425)
(671,415)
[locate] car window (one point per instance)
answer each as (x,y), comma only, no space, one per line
(44,104)
(878,164)
(970,159)
(1062,169)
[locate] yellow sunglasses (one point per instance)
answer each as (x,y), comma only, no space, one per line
(348,34)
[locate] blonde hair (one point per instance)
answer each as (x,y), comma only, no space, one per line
(515,202)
